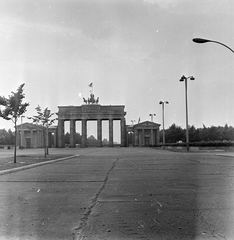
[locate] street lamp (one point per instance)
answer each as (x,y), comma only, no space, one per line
(152,116)
(163,102)
(131,133)
(183,78)
(202,40)
(152,131)
(47,115)
(133,121)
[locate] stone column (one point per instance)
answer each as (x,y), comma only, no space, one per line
(151,137)
(136,138)
(111,144)
(60,133)
(122,126)
(143,137)
(84,132)
(55,139)
(157,136)
(139,137)
(72,133)
(31,143)
(22,139)
(38,138)
(41,139)
(99,132)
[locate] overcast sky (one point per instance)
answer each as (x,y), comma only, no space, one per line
(134,52)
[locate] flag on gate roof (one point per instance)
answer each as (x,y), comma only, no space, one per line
(91,84)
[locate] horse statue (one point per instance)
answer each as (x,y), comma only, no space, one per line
(85,101)
(91,99)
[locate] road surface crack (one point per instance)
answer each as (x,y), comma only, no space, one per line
(83,222)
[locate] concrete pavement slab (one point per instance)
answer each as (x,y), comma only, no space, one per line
(121,193)
(162,195)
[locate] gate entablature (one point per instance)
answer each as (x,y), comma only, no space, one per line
(87,112)
(91,112)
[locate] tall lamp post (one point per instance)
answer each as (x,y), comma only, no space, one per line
(163,102)
(152,120)
(183,78)
(47,115)
(203,40)
(131,133)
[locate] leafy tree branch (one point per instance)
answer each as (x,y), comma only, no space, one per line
(43,120)
(13,108)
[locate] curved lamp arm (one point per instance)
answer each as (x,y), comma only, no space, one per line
(202,40)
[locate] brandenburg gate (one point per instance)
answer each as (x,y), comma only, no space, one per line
(91,110)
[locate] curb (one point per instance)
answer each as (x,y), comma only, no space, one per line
(225,155)
(12,170)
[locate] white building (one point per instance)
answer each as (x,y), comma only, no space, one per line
(31,136)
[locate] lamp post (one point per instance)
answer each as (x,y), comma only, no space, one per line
(183,78)
(152,116)
(203,40)
(132,137)
(47,115)
(163,102)
(133,121)
(21,135)
(152,132)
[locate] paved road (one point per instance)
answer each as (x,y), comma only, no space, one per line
(121,193)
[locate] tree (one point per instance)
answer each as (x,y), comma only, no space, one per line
(3,136)
(67,138)
(42,119)
(194,134)
(105,141)
(205,134)
(174,133)
(78,138)
(228,133)
(91,140)
(13,109)
(10,137)
(6,137)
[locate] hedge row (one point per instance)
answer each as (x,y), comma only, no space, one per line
(202,144)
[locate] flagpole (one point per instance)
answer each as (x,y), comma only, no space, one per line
(91,85)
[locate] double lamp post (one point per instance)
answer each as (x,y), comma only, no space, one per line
(184,79)
(163,102)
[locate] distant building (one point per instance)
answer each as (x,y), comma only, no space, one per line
(31,136)
(143,134)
